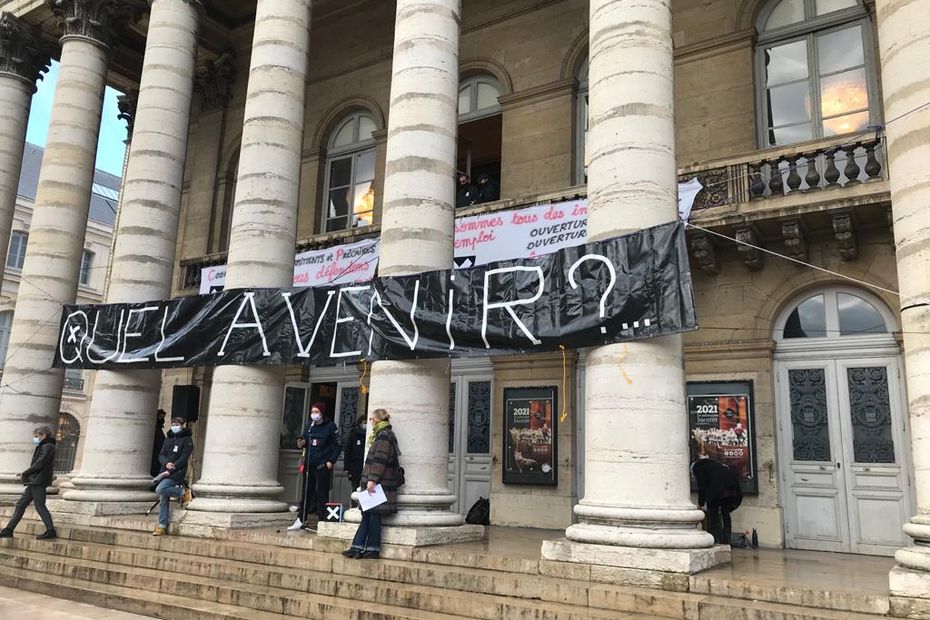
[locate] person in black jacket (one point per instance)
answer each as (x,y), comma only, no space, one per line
(719,489)
(36,478)
(174,457)
(321,451)
(488,191)
(159,441)
(353,457)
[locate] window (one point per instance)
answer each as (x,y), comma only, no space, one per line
(74,379)
(834,313)
(479,140)
(87,265)
(350,174)
(229,201)
(17,254)
(581,126)
(67,437)
(6,321)
(816,70)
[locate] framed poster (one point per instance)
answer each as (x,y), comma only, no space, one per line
(722,427)
(530,424)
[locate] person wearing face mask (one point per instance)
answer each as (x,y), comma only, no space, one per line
(321,450)
(174,456)
(36,478)
(353,456)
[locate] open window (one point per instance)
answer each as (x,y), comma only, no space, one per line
(480,133)
(349,193)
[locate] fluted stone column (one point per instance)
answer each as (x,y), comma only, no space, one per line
(240,460)
(31,392)
(905,50)
(416,236)
(21,65)
(117,451)
(637,511)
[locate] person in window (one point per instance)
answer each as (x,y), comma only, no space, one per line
(36,479)
(381,467)
(321,451)
(174,456)
(467,194)
(353,456)
(719,494)
(488,191)
(159,441)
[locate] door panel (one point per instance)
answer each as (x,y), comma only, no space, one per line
(469,440)
(816,512)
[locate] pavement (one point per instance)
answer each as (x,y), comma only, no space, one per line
(21,605)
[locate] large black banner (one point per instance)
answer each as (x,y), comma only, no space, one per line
(632,287)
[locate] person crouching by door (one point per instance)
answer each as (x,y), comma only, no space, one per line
(353,457)
(719,489)
(174,456)
(321,447)
(36,479)
(381,467)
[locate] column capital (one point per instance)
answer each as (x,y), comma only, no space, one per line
(21,50)
(214,82)
(93,19)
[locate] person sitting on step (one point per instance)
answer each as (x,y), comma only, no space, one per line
(174,456)
(37,478)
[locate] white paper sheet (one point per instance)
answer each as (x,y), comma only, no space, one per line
(368,500)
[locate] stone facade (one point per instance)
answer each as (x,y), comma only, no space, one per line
(536,51)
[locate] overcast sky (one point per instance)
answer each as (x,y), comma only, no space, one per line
(110,149)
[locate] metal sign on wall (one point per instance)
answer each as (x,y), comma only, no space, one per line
(631,287)
(530,430)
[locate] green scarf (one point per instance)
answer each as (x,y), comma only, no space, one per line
(379,426)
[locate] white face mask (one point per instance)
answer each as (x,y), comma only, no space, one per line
(175,429)
(316,417)
(36,440)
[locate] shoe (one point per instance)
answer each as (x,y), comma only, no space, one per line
(370,555)
(352,553)
(49,535)
(187,497)
(159,531)
(296,525)
(5,533)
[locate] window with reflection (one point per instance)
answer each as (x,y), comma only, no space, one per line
(815,64)
(808,319)
(350,174)
(835,313)
(858,316)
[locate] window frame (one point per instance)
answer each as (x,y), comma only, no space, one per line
(582,122)
(471,83)
(809,30)
(20,237)
(6,328)
(357,149)
(832,317)
(87,267)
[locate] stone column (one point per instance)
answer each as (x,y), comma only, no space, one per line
(905,48)
(21,64)
(31,392)
(416,236)
(637,513)
(117,452)
(240,460)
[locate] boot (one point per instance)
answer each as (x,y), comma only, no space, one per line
(187,497)
(48,535)
(6,533)
(159,531)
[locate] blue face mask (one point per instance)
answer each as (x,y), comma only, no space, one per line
(175,429)
(36,440)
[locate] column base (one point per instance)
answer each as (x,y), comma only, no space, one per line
(67,508)
(422,536)
(909,591)
(666,569)
(214,524)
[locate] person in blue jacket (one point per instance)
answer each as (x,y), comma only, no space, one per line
(320,443)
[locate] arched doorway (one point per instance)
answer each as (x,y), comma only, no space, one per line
(842,445)
(67,437)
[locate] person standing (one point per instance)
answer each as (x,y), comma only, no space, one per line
(488,191)
(159,441)
(174,457)
(36,479)
(353,456)
(321,451)
(381,467)
(719,494)
(467,193)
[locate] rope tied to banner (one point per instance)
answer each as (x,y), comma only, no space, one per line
(361,380)
(564,414)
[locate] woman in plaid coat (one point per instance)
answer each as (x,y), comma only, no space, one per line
(381,467)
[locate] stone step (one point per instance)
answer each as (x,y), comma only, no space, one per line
(238,600)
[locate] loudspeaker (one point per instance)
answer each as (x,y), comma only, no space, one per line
(185,402)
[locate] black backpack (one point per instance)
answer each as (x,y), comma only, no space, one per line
(480,513)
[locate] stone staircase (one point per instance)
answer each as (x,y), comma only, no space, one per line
(259,575)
